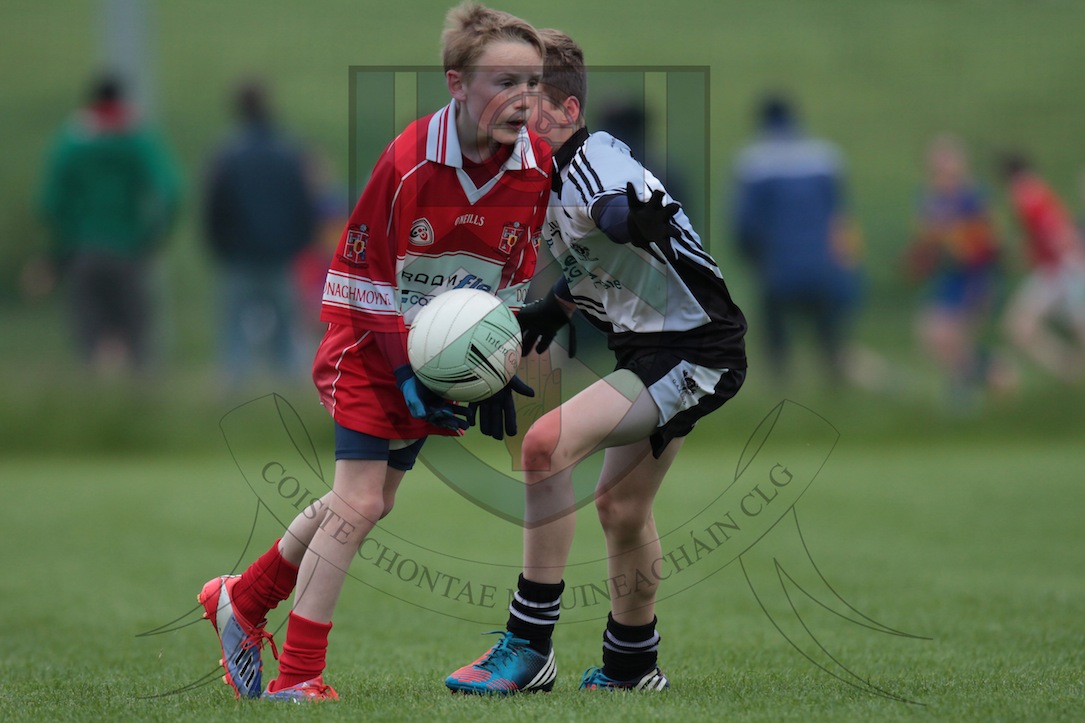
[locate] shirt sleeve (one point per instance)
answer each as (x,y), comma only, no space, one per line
(360,288)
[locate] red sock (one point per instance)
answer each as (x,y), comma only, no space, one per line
(303,652)
(265,584)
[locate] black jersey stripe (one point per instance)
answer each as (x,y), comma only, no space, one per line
(577,166)
(582,161)
(579,189)
(587,301)
(689,243)
(575,169)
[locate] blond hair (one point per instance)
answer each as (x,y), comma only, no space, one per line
(470,27)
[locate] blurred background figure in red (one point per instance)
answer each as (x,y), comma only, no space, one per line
(310,267)
(1045,318)
(110,197)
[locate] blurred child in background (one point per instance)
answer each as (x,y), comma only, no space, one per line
(955,252)
(1045,318)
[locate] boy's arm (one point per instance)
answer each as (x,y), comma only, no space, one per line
(541,320)
(362,283)
(626,219)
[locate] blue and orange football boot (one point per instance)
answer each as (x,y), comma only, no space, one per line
(594,679)
(240,640)
(510,666)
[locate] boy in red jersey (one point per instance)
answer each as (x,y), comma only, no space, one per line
(1054,291)
(457,200)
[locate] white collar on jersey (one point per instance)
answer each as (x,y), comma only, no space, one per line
(443,143)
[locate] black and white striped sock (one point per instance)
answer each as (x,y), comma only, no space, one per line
(629,651)
(534,611)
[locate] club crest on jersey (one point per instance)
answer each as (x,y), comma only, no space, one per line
(421,233)
(511,234)
(354,246)
(536,239)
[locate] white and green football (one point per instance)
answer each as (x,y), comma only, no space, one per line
(464,345)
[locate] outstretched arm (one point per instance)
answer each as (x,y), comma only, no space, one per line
(625,219)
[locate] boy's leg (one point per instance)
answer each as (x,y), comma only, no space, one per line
(630,479)
(356,503)
(614,411)
(628,484)
(238,605)
(1027,317)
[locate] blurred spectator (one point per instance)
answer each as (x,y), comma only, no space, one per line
(110,196)
(955,252)
(790,222)
(260,211)
(1045,318)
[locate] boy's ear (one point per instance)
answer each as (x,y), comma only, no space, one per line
(456,84)
(572,109)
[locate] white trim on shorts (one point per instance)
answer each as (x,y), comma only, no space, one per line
(683,387)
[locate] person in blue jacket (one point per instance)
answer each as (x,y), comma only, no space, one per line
(790,222)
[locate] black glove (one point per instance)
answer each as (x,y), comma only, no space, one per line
(423,402)
(540,320)
(650,220)
(498,413)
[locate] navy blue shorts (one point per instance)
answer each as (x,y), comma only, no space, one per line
(356,445)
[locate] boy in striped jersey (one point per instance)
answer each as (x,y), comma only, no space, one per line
(635,267)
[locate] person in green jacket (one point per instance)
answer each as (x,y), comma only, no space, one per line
(110,195)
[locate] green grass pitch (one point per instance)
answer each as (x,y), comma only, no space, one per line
(117,502)
(977,549)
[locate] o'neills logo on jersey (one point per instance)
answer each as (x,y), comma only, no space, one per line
(472,218)
(354,246)
(511,234)
(421,233)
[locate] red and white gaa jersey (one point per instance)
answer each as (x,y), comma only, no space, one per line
(427,221)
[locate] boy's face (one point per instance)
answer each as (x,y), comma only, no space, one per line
(947,167)
(552,121)
(497,94)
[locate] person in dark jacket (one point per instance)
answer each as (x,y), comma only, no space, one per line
(791,225)
(260,211)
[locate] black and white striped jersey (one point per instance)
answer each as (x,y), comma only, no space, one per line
(673,295)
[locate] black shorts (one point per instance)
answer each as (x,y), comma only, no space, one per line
(683,391)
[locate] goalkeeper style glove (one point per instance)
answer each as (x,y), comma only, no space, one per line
(541,319)
(497,415)
(423,403)
(650,220)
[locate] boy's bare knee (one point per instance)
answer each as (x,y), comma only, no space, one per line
(388,505)
(361,508)
(620,517)
(537,452)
